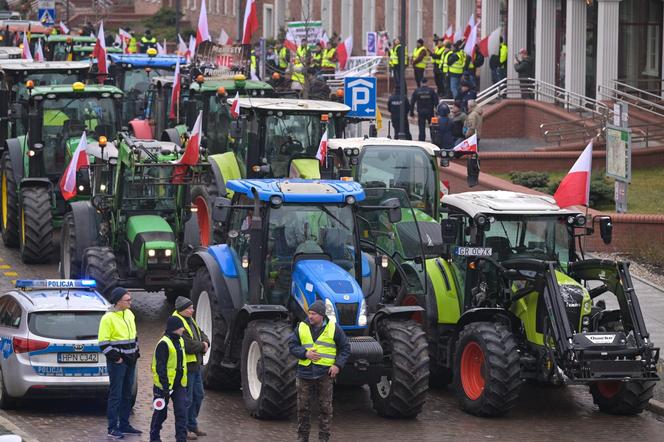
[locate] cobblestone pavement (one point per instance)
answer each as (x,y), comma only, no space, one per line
(544,413)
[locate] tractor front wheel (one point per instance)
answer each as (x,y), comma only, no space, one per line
(9,206)
(99,263)
(618,397)
(36,225)
(402,393)
(487,372)
(268,370)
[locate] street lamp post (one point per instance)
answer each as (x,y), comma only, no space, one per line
(402,75)
(177,20)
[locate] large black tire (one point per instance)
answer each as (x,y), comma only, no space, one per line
(211,321)
(99,263)
(37,237)
(70,263)
(616,397)
(9,205)
(440,377)
(487,371)
(268,370)
(7,402)
(402,394)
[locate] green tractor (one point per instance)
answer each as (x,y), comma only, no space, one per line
(61,47)
(520,302)
(32,164)
(134,236)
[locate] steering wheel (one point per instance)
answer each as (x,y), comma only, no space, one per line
(291,146)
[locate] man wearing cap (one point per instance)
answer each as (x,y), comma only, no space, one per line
(196,344)
(322,349)
(117,340)
(169,375)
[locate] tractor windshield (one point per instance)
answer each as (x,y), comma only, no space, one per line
(149,187)
(136,83)
(218,119)
(541,237)
(404,167)
(43,79)
(290,135)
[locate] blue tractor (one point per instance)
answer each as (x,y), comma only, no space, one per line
(285,244)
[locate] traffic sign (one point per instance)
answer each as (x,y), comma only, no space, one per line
(46,12)
(360,96)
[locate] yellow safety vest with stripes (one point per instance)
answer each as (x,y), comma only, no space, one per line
(394,55)
(190,357)
(457,66)
(324,345)
(439,52)
(446,55)
(117,331)
(171,365)
(328,56)
(283,58)
(416,53)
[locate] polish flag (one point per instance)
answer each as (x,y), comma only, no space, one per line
(235,107)
(26,55)
(467,145)
(471,41)
(489,45)
(182,47)
(321,153)
(343,52)
(160,49)
(290,42)
(469,26)
(250,22)
(574,189)
(191,51)
(224,38)
(191,151)
(63,28)
(39,54)
(99,53)
(68,187)
(202,33)
(175,93)
(449,34)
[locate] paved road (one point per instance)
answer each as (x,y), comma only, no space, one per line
(544,413)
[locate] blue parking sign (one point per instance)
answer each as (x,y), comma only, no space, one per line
(360,96)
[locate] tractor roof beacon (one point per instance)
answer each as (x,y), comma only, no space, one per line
(522,302)
(286,243)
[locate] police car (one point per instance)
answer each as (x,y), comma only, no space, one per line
(48,333)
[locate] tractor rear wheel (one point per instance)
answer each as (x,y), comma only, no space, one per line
(618,397)
(99,263)
(487,372)
(268,370)
(70,264)
(202,197)
(402,394)
(213,324)
(9,206)
(36,225)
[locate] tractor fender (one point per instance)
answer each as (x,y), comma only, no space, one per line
(141,129)
(37,182)
(219,181)
(488,314)
(13,147)
(393,312)
(86,223)
(171,135)
(248,313)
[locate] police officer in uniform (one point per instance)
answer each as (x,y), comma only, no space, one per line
(148,41)
(394,107)
(117,341)
(322,349)
(426,100)
(169,375)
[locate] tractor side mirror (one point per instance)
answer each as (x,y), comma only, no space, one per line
(220,209)
(606,229)
(449,228)
(473,170)
(393,209)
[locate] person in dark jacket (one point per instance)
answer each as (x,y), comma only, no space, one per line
(169,375)
(196,344)
(444,138)
(322,350)
(394,107)
(524,66)
(458,117)
(425,99)
(467,93)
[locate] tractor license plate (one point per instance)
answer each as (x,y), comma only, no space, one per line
(78,358)
(473,251)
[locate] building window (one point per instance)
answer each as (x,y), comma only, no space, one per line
(235,7)
(306,10)
(368,19)
(346,18)
(326,15)
(217,6)
(194,5)
(652,50)
(268,21)
(414,22)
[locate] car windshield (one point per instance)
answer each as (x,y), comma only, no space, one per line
(77,325)
(149,187)
(404,167)
(541,237)
(290,135)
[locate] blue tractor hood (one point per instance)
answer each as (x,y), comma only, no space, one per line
(322,279)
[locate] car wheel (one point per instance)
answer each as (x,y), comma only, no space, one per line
(6,401)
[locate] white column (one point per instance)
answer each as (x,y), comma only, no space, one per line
(575,47)
(346,18)
(490,21)
(327,15)
(464,9)
(368,19)
(607,43)
(516,32)
(440,20)
(414,23)
(545,42)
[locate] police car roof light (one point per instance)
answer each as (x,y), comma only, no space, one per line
(56,283)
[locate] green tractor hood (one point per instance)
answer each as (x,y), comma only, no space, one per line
(150,232)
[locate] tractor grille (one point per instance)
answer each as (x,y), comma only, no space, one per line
(347,314)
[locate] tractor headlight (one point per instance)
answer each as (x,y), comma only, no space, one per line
(585,321)
(350,200)
(168,252)
(152,253)
(330,312)
(362,319)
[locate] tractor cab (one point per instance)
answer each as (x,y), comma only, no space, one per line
(10,53)
(85,52)
(61,47)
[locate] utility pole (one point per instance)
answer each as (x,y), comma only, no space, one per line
(177,21)
(403,118)
(239,21)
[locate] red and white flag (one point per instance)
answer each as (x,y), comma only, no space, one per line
(191,151)
(79,159)
(250,22)
(458,34)
(175,93)
(343,52)
(574,189)
(224,38)
(63,28)
(191,51)
(489,45)
(290,42)
(469,26)
(449,34)
(202,33)
(39,54)
(99,53)
(467,145)
(160,49)
(471,41)
(321,153)
(235,107)
(26,55)
(182,47)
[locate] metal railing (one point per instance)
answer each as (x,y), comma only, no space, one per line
(645,134)
(561,132)
(635,97)
(356,67)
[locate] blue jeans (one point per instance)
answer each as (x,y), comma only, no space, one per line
(121,377)
(454,84)
(195,394)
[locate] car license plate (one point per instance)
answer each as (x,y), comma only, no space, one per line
(78,358)
(473,251)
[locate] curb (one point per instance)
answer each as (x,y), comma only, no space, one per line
(656,407)
(646,282)
(27,437)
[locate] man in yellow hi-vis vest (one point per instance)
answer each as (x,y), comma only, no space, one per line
(169,375)
(420,55)
(322,349)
